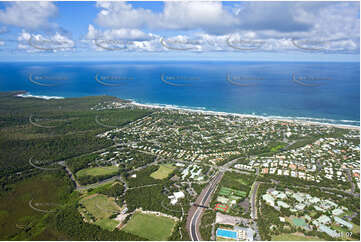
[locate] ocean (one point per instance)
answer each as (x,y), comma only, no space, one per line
(311,91)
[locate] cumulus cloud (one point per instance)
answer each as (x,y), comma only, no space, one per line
(209,16)
(278,16)
(29,15)
(39,43)
(122,15)
(121,39)
(209,25)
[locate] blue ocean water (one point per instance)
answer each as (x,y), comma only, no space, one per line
(315,91)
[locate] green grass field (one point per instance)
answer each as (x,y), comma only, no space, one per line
(276,148)
(150,226)
(225,191)
(294,237)
(100,205)
(97,171)
(162,172)
(108,224)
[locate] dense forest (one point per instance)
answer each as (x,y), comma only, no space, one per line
(53,130)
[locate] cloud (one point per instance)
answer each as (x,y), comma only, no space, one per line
(122,15)
(121,39)
(276,24)
(40,43)
(208,16)
(276,16)
(29,15)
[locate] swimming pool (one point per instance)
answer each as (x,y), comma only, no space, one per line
(227,233)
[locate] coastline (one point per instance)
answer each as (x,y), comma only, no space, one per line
(201,110)
(219,113)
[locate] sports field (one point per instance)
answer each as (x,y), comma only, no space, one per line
(100,206)
(225,191)
(107,223)
(150,226)
(97,171)
(163,171)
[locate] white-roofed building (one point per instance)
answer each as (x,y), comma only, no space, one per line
(343,222)
(329,231)
(337,211)
(269,199)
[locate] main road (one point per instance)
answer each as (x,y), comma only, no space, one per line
(195,212)
(202,200)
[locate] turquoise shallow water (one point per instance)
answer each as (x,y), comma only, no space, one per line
(322,92)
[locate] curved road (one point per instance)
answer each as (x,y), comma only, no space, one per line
(202,200)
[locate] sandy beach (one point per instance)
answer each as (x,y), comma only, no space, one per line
(298,120)
(275,118)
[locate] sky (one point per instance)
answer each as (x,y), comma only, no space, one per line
(234,31)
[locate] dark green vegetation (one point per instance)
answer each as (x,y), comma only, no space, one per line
(208,218)
(49,131)
(18,221)
(111,190)
(235,186)
(70,223)
(143,177)
(52,130)
(82,162)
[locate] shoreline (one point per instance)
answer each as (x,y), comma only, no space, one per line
(219,113)
(201,110)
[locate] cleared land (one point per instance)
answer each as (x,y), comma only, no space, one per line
(107,223)
(294,237)
(163,171)
(97,171)
(150,226)
(100,206)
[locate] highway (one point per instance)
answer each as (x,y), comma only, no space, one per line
(204,198)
